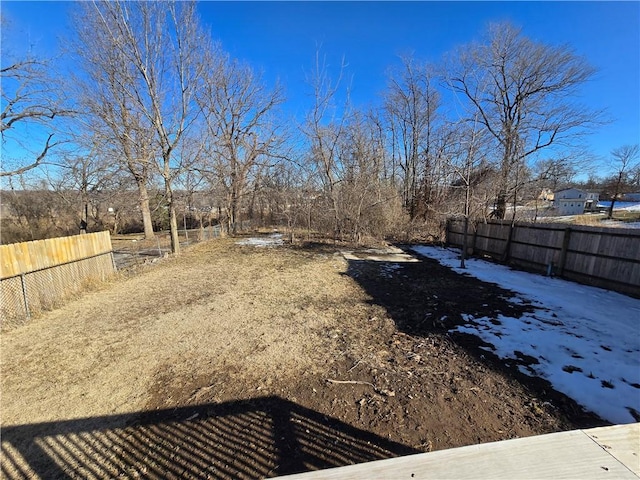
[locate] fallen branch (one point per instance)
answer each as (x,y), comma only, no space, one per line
(355,365)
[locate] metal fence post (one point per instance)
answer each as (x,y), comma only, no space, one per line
(24,295)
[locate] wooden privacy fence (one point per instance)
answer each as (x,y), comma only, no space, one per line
(603,257)
(35,276)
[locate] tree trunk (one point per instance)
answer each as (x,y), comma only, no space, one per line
(614,197)
(465,236)
(501,205)
(144,208)
(84,223)
(173,223)
(173,219)
(610,210)
(116,226)
(233,214)
(467,211)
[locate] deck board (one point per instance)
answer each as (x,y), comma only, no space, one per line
(620,441)
(600,453)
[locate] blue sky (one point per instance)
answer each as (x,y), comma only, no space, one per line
(281,38)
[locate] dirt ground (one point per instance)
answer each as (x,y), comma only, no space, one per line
(242,362)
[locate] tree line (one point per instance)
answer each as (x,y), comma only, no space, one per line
(157,119)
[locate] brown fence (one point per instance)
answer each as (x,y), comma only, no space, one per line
(603,257)
(36,276)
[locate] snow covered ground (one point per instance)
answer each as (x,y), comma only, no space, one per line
(618,224)
(586,339)
(268,241)
(626,206)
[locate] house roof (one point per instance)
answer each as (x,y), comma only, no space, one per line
(568,189)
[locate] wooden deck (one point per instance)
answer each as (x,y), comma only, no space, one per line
(606,452)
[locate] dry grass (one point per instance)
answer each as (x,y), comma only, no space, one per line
(261,314)
(592,220)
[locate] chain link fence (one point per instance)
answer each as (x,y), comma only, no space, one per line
(23,295)
(39,276)
(129,252)
(31,293)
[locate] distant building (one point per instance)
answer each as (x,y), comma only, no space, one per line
(546,195)
(591,205)
(572,201)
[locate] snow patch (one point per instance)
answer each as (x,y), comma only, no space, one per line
(389,254)
(270,241)
(586,339)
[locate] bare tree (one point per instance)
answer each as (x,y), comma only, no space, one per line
(153,76)
(84,181)
(109,114)
(243,136)
(31,106)
(557,171)
(365,199)
(634,178)
(324,129)
(625,163)
(190,197)
(36,212)
(294,192)
(285,188)
(523,91)
(468,164)
(411,103)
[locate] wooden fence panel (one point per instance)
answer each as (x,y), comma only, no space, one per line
(536,245)
(491,238)
(26,257)
(605,257)
(36,276)
(600,242)
(455,232)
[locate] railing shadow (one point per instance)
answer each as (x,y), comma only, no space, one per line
(256,438)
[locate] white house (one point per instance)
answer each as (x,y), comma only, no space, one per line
(571,201)
(592,202)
